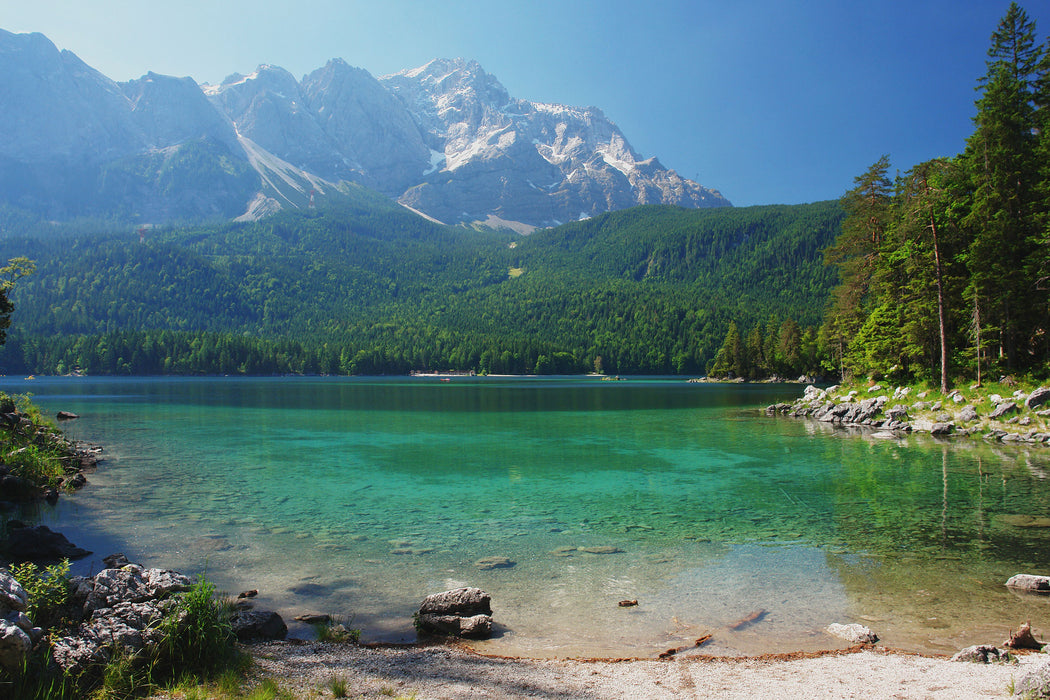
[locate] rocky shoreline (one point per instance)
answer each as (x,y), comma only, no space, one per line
(1018,418)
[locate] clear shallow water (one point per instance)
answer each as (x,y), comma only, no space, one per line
(358,497)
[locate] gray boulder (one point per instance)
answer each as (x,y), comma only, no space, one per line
(462,612)
(1037,398)
(1003,409)
(14,645)
(12,595)
(1030,583)
(258,625)
(968,414)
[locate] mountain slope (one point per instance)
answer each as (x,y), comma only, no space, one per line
(446,140)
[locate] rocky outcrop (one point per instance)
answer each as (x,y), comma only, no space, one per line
(462,612)
(122,608)
(123,629)
(40,545)
(130,583)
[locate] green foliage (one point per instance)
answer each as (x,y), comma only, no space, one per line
(48,589)
(31,447)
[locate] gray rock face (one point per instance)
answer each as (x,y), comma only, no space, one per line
(537,163)
(127,628)
(463,612)
(968,414)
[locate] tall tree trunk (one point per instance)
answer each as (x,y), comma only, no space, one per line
(941,326)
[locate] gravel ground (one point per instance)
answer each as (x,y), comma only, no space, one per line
(307,669)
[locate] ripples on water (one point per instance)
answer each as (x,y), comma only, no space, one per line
(359,497)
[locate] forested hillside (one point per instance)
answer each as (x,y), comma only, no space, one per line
(369,287)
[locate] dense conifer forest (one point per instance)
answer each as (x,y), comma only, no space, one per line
(370,288)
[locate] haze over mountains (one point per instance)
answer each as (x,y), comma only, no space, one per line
(445,139)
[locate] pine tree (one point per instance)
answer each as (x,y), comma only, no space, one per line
(1001,155)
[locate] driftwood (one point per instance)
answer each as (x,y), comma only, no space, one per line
(677,650)
(749,620)
(1023,639)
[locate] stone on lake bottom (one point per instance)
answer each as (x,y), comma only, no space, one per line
(488,563)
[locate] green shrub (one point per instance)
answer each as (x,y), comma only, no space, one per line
(48,590)
(199,637)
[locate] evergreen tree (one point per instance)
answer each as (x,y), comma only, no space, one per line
(1001,156)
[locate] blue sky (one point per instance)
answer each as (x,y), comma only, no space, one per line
(769,101)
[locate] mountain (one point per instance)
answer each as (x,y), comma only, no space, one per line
(445,140)
(496,156)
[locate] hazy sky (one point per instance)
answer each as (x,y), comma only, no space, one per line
(769,101)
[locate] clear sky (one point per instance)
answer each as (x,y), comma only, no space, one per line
(769,101)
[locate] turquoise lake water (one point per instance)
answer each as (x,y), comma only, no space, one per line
(359,497)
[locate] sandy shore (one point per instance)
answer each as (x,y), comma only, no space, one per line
(307,669)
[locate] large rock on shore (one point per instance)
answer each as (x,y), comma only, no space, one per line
(251,625)
(122,607)
(461,612)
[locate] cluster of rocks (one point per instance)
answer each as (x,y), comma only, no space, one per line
(117,611)
(461,612)
(889,414)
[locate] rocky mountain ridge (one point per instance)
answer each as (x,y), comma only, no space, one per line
(446,140)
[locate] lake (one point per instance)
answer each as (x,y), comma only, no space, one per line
(360,496)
